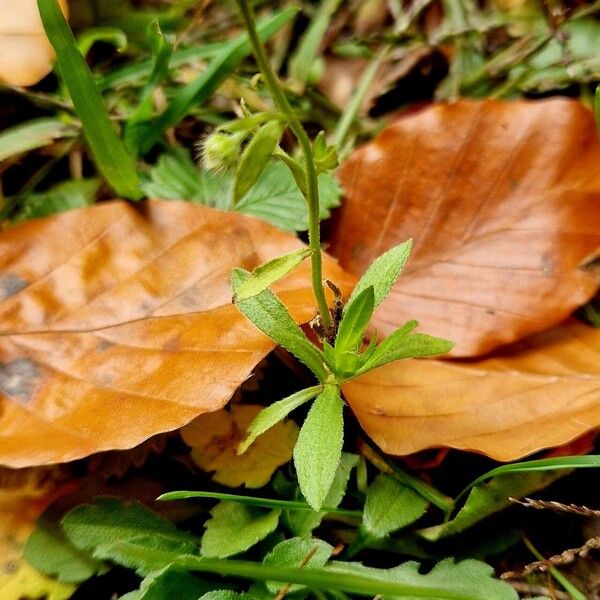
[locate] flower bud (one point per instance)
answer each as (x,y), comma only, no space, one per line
(220,150)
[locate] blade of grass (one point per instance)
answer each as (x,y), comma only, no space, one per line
(33,134)
(566,584)
(253,501)
(590,461)
(110,155)
(195,93)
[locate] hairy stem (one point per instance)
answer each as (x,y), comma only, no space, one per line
(312,188)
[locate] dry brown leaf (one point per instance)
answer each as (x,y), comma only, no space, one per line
(116,323)
(538,393)
(215,437)
(502,200)
(26,55)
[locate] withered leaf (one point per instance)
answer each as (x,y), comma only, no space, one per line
(116,323)
(502,200)
(541,392)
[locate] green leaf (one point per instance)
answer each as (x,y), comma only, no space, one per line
(225,595)
(173,582)
(33,134)
(195,93)
(49,551)
(389,506)
(354,322)
(465,580)
(404,344)
(319,447)
(110,155)
(268,273)
(254,501)
(269,314)
(176,177)
(274,413)
(161,54)
(590,461)
(486,499)
(297,552)
(303,523)
(101,526)
(234,528)
(277,199)
(255,158)
(67,195)
(109,35)
(382,273)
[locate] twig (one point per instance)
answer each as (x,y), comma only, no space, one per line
(574,509)
(538,590)
(564,558)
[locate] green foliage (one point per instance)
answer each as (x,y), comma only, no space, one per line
(255,157)
(102,527)
(64,196)
(234,528)
(354,323)
(303,523)
(275,197)
(297,552)
(110,155)
(269,314)
(382,274)
(319,447)
(49,551)
(271,415)
(199,90)
(389,506)
(171,582)
(33,134)
(268,273)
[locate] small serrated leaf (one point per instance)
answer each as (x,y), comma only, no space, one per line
(235,527)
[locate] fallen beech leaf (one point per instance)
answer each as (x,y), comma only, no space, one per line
(215,437)
(26,55)
(116,323)
(26,582)
(502,200)
(539,393)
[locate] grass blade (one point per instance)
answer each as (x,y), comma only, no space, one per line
(109,153)
(590,461)
(33,134)
(198,91)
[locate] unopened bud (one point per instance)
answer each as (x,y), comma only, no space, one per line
(220,150)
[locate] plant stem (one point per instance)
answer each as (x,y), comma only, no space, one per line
(312,188)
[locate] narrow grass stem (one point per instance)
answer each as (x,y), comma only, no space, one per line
(312,188)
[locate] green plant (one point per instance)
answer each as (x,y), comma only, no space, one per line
(340,330)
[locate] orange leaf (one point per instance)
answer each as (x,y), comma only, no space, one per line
(541,392)
(26,55)
(503,202)
(116,323)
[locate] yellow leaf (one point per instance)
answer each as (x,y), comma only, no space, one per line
(214,438)
(26,582)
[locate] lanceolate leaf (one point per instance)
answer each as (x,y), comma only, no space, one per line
(550,381)
(501,199)
(382,273)
(110,155)
(274,413)
(268,273)
(319,446)
(355,320)
(255,158)
(271,316)
(129,307)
